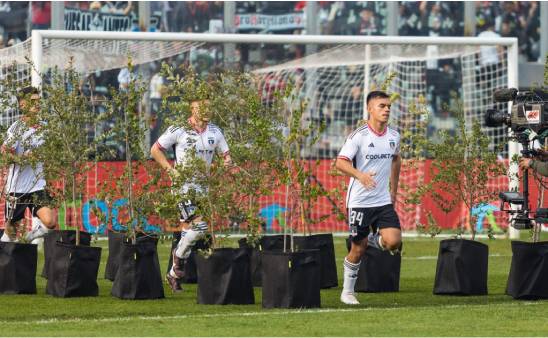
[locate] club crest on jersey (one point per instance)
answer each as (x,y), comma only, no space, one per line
(210,140)
(392,144)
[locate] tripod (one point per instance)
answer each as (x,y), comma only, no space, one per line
(521,220)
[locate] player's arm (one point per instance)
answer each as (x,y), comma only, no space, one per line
(344,165)
(165,141)
(395,176)
(222,147)
(9,146)
(157,153)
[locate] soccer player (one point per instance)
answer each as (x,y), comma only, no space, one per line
(25,186)
(370,156)
(205,138)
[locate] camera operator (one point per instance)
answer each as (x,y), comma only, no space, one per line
(538,164)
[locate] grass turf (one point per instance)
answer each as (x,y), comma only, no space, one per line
(414,311)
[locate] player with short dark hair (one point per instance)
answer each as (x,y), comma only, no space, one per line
(25,186)
(370,156)
(205,139)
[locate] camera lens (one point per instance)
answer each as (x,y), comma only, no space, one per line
(494,118)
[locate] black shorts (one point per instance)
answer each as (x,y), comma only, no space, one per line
(364,220)
(188,210)
(17,203)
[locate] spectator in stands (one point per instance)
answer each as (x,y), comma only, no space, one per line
(41,14)
(95,6)
(118,7)
(409,22)
(367,25)
(156,90)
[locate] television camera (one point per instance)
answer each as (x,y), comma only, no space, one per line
(528,121)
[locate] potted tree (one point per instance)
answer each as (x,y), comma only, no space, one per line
(71,264)
(229,193)
(292,277)
(138,273)
(528,276)
(463,165)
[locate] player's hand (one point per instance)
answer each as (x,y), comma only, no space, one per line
(525,163)
(173,174)
(367,180)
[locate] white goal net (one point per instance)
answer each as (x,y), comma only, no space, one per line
(334,79)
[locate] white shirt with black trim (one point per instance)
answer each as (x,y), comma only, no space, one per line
(205,143)
(369,151)
(21,139)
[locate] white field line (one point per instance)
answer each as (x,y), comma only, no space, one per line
(405,234)
(419,258)
(252,314)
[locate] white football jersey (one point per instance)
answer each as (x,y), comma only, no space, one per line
(23,179)
(369,151)
(206,143)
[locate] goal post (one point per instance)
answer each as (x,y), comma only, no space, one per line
(343,63)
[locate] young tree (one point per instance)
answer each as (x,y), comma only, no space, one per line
(463,165)
(69,141)
(138,181)
(228,194)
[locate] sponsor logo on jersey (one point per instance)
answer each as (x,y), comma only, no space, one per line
(378,156)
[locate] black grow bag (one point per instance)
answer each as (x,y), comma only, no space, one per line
(138,275)
(528,278)
(328,265)
(18,268)
(64,236)
(224,277)
(291,279)
(379,271)
(188,265)
(115,241)
(266,243)
(462,268)
(73,271)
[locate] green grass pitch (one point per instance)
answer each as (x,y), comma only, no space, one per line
(414,311)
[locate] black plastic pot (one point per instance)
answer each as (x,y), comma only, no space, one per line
(18,268)
(64,236)
(379,271)
(115,241)
(266,243)
(528,278)
(73,271)
(189,264)
(328,265)
(138,275)
(462,268)
(224,277)
(291,279)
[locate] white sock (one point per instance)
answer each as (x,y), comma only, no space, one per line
(5,237)
(172,273)
(380,243)
(186,242)
(350,275)
(38,230)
